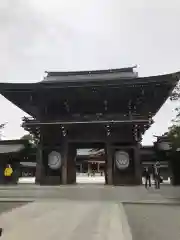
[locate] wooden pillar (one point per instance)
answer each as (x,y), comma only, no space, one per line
(175,166)
(2,172)
(64,152)
(41,168)
(109,163)
(51,141)
(81,168)
(137,165)
(89,169)
(16,172)
(71,164)
(98,167)
(39,165)
(127,172)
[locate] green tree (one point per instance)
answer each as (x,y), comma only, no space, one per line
(176,93)
(31,139)
(174,136)
(30,146)
(34,133)
(173,133)
(175,97)
(1,128)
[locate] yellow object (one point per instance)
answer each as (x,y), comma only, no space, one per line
(8,172)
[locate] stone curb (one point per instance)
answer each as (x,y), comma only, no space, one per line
(5,200)
(151,202)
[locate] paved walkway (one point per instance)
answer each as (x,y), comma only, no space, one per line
(154,222)
(66,220)
(90,212)
(89,193)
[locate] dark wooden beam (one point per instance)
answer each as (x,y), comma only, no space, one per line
(130,121)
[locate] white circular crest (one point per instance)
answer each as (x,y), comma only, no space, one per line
(54,160)
(122,160)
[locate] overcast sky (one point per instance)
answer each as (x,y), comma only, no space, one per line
(40,35)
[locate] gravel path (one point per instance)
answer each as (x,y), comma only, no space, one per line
(154,222)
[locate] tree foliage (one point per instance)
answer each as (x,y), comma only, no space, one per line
(174,136)
(1,128)
(34,133)
(173,133)
(2,125)
(30,145)
(176,93)
(31,139)
(175,96)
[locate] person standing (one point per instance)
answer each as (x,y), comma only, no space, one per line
(8,171)
(147,176)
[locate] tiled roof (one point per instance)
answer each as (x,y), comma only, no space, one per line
(10,148)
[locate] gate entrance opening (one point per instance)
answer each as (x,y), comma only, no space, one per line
(90,166)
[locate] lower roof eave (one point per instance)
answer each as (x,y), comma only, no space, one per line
(38,123)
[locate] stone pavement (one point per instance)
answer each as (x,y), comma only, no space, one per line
(90,192)
(154,221)
(66,220)
(91,211)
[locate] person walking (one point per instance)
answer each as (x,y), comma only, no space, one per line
(157,177)
(147,176)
